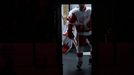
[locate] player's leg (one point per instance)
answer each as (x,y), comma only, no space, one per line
(82,42)
(90,48)
(80,57)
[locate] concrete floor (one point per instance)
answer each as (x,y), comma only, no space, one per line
(69,64)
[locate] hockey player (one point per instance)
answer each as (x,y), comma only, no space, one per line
(80,18)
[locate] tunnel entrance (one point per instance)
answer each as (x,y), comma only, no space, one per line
(69,54)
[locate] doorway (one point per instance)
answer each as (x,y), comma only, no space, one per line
(69,56)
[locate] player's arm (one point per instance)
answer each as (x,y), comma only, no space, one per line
(71,20)
(89,24)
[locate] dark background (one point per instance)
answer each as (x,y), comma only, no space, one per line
(30,37)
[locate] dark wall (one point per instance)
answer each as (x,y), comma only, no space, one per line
(113,53)
(27,20)
(28,42)
(17,59)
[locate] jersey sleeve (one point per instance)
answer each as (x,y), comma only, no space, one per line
(71,20)
(71,17)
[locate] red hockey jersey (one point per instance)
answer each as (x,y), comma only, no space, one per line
(81,20)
